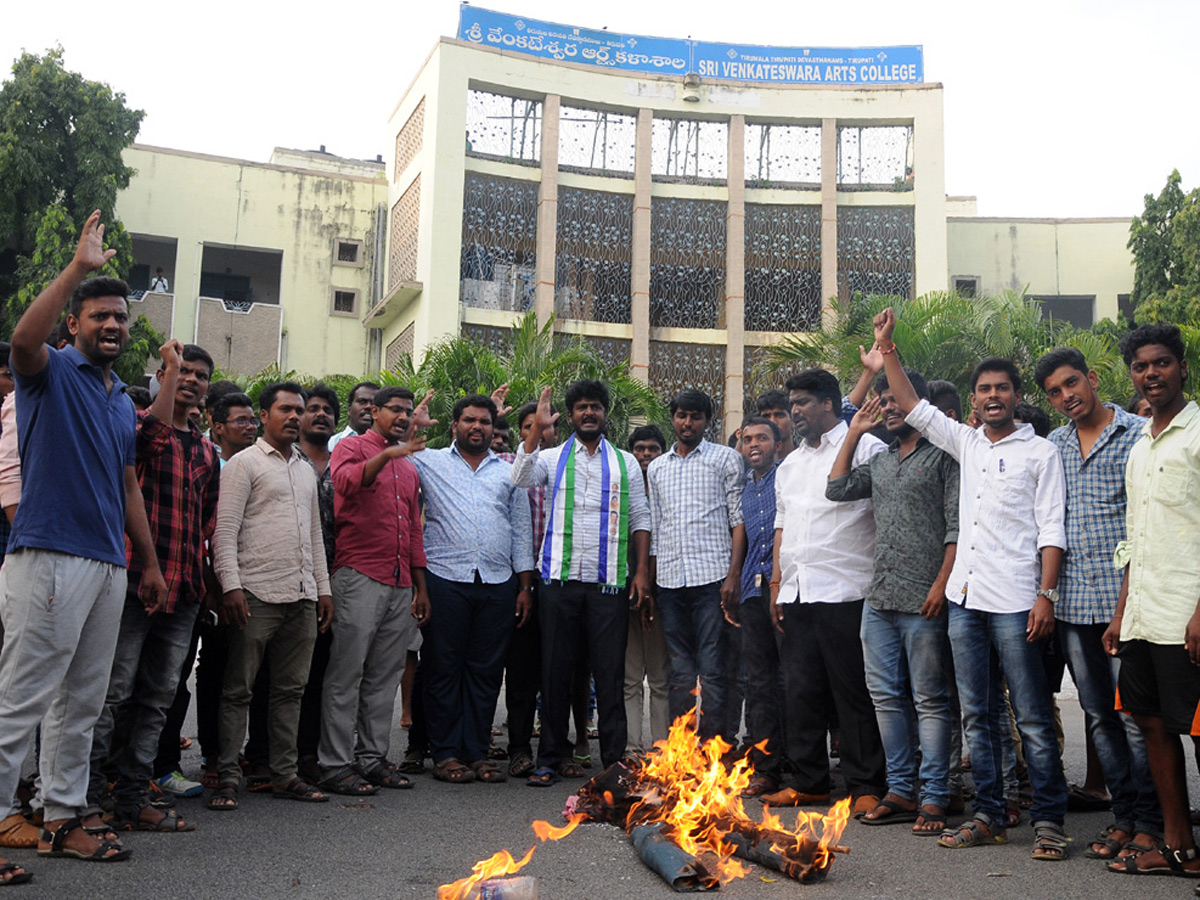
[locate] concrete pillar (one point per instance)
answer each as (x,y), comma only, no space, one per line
(639,354)
(735,274)
(829,261)
(547,220)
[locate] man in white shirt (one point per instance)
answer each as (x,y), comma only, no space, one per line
(824,556)
(358,412)
(1011,510)
(159,284)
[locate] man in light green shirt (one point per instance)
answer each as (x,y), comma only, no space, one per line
(1156,628)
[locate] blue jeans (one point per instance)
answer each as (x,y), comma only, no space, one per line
(693,626)
(903,657)
(1119,743)
(145,675)
(984,645)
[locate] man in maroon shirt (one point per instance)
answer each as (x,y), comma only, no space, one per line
(379,594)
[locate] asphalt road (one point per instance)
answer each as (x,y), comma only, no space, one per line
(403,844)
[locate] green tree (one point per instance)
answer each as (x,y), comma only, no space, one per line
(943,335)
(61,139)
(144,342)
(532,358)
(1150,241)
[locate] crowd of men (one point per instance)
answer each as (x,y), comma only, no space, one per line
(867,565)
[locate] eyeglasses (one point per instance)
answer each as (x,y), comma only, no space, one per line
(243,422)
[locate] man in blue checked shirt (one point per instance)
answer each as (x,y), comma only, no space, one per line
(1095,446)
(698,542)
(761,445)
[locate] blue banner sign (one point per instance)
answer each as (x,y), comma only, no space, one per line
(673,56)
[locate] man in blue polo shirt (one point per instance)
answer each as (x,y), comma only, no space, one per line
(63,584)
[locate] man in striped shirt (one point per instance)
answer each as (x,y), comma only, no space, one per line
(596,520)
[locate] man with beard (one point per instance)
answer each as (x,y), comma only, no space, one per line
(379,591)
(1156,628)
(1011,511)
(276,590)
(68,546)
(762,444)
(1095,446)
(358,415)
(180,478)
(595,510)
(822,568)
(913,488)
(698,543)
(477,534)
(316,430)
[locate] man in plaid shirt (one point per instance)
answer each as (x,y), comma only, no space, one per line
(1095,445)
(179,473)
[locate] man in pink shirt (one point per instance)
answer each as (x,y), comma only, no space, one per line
(379,594)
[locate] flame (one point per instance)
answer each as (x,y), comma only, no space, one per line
(698,798)
(500,864)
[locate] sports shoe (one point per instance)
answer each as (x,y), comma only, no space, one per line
(177,785)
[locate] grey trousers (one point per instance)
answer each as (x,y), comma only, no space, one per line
(372,629)
(61,614)
(646,658)
(284,633)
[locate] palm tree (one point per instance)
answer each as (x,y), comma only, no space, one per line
(943,335)
(532,358)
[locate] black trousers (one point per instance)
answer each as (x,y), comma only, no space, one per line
(571,611)
(466,643)
(764,686)
(820,651)
(522,678)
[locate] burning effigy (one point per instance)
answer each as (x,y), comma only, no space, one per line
(681,806)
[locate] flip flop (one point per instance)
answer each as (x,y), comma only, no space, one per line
(896,814)
(543,776)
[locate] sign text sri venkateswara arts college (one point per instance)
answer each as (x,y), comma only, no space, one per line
(673,56)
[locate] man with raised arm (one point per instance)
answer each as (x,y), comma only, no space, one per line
(913,487)
(78,438)
(379,586)
(1011,511)
(179,473)
(597,519)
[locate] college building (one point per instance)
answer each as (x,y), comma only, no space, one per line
(657,206)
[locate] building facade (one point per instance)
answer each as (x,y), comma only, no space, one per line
(681,223)
(266,263)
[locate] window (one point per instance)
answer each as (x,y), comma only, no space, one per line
(966,285)
(345,302)
(347,253)
(1077,309)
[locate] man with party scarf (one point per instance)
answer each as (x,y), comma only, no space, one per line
(597,519)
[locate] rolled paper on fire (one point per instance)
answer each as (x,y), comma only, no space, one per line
(678,868)
(755,852)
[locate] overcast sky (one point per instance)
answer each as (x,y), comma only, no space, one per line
(1052,107)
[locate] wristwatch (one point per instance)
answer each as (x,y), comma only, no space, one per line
(1050,594)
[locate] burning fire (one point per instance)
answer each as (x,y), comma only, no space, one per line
(697,799)
(688,797)
(500,864)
